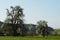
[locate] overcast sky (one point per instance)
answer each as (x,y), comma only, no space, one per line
(35,10)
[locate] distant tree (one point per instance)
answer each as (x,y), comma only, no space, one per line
(43,27)
(5,28)
(15,19)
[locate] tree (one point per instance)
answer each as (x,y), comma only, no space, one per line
(43,27)
(7,29)
(15,19)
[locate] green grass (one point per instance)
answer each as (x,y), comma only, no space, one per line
(57,30)
(29,38)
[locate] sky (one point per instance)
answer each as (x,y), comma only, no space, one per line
(35,10)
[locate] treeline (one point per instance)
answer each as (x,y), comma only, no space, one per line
(14,24)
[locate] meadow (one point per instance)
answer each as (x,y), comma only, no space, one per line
(29,38)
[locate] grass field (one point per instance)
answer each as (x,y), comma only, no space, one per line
(29,38)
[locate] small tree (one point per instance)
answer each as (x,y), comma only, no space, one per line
(43,27)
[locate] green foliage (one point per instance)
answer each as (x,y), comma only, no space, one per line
(43,27)
(14,20)
(42,23)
